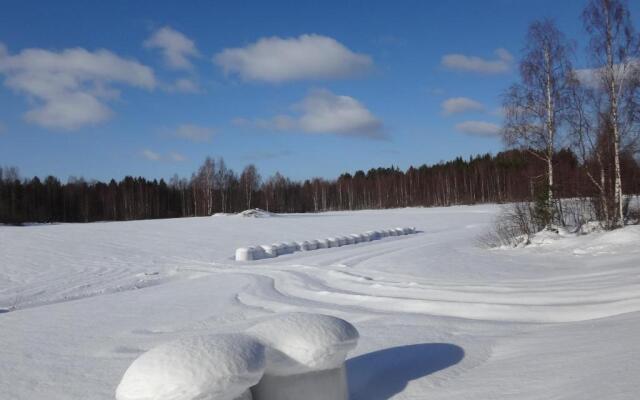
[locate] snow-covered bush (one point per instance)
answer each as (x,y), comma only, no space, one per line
(221,367)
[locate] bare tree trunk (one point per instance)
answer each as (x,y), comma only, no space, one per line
(550,136)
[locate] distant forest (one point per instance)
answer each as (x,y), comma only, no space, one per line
(509,176)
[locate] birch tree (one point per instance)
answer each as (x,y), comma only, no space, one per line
(614,48)
(250,182)
(535,107)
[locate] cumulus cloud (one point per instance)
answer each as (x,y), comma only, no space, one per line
(184,85)
(154,156)
(194,133)
(502,63)
(478,128)
(68,89)
(176,48)
(276,59)
(458,105)
(322,112)
(592,77)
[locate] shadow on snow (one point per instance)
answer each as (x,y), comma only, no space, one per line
(382,374)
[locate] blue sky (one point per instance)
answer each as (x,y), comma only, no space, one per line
(107,89)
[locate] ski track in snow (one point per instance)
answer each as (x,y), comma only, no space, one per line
(85,299)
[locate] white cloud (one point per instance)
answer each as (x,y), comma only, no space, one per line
(306,57)
(177,157)
(592,77)
(478,128)
(68,89)
(154,156)
(176,48)
(323,112)
(502,63)
(151,155)
(457,105)
(194,133)
(184,85)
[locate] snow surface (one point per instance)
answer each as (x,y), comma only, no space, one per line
(213,367)
(439,317)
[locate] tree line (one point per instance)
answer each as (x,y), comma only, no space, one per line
(510,176)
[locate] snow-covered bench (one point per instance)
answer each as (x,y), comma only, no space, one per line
(290,357)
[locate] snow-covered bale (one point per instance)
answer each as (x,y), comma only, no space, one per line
(334,242)
(305,356)
(302,342)
(259,253)
(282,249)
(349,239)
(356,238)
(313,244)
(374,235)
(270,250)
(293,246)
(304,245)
(330,384)
(343,240)
(245,254)
(323,243)
(221,367)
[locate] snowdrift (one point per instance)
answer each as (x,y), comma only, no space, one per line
(256,213)
(277,249)
(289,357)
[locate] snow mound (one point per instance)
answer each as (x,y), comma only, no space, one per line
(256,213)
(300,342)
(220,367)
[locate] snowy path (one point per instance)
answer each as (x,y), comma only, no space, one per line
(439,317)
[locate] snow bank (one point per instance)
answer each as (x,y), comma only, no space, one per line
(256,213)
(278,249)
(305,356)
(221,367)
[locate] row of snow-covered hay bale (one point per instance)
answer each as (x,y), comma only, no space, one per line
(277,249)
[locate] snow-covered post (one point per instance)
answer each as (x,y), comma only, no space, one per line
(305,356)
(221,367)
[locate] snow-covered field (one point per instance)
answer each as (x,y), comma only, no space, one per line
(438,316)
